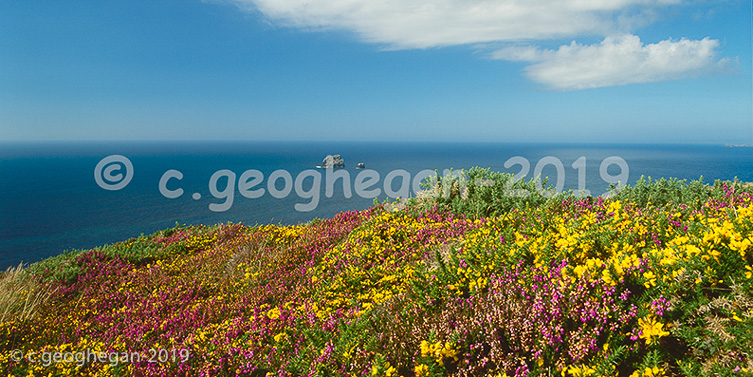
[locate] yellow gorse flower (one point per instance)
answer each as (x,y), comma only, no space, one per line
(421,370)
(273,313)
(649,372)
(651,329)
(438,351)
(389,370)
(651,277)
(579,371)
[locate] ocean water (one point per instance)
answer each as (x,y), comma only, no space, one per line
(50,200)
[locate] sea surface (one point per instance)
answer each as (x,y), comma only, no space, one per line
(50,200)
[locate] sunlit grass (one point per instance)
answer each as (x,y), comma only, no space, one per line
(20,295)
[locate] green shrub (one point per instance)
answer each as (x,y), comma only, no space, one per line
(481,192)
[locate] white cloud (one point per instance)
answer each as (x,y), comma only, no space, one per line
(415,24)
(438,23)
(615,61)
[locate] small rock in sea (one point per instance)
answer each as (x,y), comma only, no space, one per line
(332,161)
(360,166)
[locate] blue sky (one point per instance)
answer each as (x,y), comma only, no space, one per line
(466,70)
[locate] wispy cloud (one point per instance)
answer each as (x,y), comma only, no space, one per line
(418,24)
(616,61)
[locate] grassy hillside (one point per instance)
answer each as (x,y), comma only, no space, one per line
(486,280)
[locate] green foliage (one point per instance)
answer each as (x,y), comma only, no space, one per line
(608,366)
(139,251)
(665,191)
(63,267)
(480,192)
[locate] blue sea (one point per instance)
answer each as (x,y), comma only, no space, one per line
(51,201)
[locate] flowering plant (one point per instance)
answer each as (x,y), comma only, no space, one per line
(573,286)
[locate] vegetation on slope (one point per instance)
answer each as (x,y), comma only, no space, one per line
(656,280)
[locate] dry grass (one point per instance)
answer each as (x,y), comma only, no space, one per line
(20,296)
(251,253)
(443,252)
